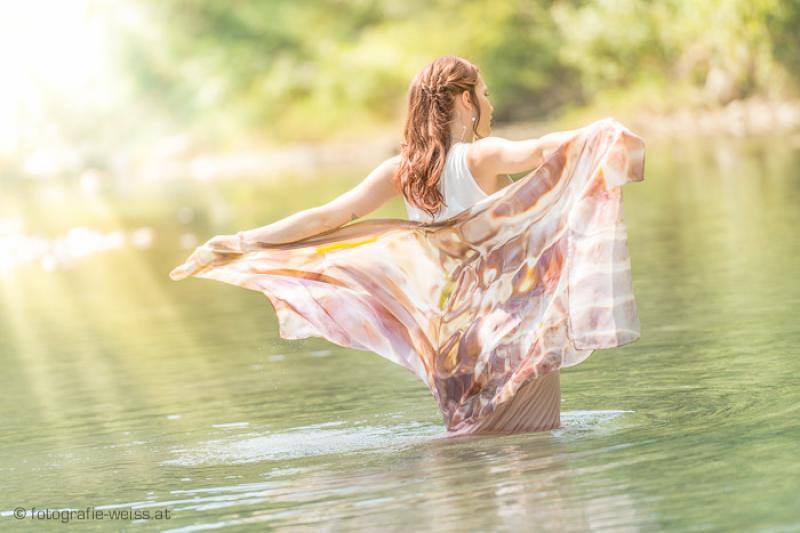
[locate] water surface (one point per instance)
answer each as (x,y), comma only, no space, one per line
(126,390)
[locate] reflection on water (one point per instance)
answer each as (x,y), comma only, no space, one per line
(20,250)
(125,390)
(296,443)
(319,439)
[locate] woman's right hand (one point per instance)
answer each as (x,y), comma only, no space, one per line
(216,250)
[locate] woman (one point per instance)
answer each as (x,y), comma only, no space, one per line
(472,294)
(447,99)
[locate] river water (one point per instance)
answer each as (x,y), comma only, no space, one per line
(126,391)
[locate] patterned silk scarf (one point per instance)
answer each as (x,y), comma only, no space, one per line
(529,280)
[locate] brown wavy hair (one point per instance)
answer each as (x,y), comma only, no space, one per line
(431,103)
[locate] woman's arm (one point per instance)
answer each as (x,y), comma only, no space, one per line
(491,156)
(374,191)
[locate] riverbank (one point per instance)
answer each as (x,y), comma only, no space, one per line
(739,118)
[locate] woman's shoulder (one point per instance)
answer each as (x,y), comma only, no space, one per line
(485,147)
(391,167)
(479,156)
(493,156)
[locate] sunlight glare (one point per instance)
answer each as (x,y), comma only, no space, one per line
(47,48)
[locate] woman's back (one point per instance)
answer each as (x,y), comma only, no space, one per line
(458,186)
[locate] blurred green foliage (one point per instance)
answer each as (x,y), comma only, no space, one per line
(289,70)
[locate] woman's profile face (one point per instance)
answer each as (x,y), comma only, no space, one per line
(484,128)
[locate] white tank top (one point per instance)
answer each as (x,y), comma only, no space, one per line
(459,188)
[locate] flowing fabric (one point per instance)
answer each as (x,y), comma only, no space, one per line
(527,281)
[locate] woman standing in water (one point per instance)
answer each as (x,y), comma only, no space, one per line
(472,293)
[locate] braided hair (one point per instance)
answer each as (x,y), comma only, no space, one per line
(431,105)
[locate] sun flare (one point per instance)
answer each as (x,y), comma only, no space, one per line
(50,50)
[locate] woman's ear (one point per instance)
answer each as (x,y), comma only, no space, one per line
(466,100)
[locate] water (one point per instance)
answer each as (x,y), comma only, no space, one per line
(123,390)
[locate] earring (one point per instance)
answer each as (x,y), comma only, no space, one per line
(463,130)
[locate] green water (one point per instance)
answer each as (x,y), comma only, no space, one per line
(125,390)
